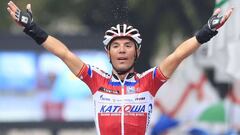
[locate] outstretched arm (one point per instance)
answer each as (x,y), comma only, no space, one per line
(56,47)
(169,64)
(50,43)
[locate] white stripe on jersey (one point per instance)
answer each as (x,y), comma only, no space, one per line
(146,72)
(100,72)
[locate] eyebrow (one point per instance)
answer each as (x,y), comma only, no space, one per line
(128,42)
(115,43)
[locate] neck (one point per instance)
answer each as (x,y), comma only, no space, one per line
(123,76)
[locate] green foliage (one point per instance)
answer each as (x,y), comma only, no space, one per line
(98,13)
(154,18)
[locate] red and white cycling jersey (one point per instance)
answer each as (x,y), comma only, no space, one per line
(122,107)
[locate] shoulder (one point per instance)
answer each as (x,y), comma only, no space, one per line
(147,73)
(96,70)
(153,73)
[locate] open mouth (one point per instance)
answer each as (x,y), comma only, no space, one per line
(122,59)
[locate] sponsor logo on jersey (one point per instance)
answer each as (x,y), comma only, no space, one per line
(109,91)
(150,107)
(118,108)
(104,98)
(139,98)
(131,90)
(121,100)
(128,100)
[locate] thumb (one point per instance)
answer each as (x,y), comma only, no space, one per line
(28,7)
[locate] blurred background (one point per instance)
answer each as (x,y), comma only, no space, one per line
(40,96)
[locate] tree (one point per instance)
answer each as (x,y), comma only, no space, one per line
(152,17)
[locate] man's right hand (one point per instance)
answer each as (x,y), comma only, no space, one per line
(22,18)
(25,20)
(50,43)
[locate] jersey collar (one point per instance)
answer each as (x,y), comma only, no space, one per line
(130,80)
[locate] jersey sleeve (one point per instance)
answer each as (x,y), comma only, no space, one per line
(158,79)
(159,75)
(155,79)
(89,76)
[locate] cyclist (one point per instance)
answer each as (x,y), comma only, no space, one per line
(123,101)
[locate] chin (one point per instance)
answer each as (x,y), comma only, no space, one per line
(121,69)
(122,66)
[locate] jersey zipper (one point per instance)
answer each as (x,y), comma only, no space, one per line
(122,113)
(122,103)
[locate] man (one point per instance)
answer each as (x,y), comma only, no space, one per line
(123,101)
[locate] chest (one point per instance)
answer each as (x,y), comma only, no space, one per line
(111,103)
(125,88)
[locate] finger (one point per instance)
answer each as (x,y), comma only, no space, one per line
(227,15)
(12,6)
(29,7)
(12,13)
(217,11)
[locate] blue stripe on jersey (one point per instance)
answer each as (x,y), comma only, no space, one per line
(89,71)
(126,83)
(130,83)
(115,83)
(154,72)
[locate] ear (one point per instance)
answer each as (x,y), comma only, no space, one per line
(108,52)
(138,52)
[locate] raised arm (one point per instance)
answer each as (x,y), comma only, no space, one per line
(169,64)
(53,45)
(56,47)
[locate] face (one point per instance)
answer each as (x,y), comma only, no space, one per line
(122,53)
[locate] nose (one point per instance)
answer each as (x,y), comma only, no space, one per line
(122,49)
